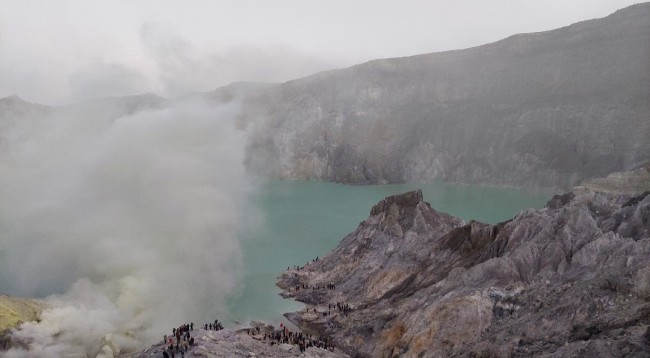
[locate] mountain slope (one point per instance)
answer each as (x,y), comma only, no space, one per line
(544,109)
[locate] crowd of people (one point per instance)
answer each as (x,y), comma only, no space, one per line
(344,308)
(304,286)
(217,326)
(303,341)
(184,341)
(181,341)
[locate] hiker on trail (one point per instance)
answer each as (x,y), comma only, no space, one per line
(165,355)
(210,326)
(165,339)
(192,326)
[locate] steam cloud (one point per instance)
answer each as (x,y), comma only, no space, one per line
(131,221)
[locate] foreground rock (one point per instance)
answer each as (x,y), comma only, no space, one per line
(570,279)
(229,343)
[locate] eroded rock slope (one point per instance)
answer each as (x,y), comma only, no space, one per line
(570,279)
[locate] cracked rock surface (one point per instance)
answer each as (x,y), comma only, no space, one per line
(570,279)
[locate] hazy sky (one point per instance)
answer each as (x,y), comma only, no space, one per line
(57,52)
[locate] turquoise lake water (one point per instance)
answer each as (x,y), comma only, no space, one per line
(305,219)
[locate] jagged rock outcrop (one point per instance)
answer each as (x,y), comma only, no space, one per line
(570,279)
(546,109)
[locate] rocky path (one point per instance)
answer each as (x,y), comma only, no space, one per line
(229,343)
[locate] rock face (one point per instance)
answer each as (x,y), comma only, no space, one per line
(546,109)
(570,279)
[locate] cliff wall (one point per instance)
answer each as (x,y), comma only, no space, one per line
(546,109)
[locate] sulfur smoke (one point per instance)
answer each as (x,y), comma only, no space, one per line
(129,224)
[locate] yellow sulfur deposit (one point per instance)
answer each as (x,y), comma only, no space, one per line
(14,311)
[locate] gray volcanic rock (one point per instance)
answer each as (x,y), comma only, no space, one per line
(571,279)
(544,109)
(228,343)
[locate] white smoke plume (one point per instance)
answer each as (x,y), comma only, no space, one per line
(132,222)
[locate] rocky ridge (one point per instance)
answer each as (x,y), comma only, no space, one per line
(570,279)
(547,109)
(229,343)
